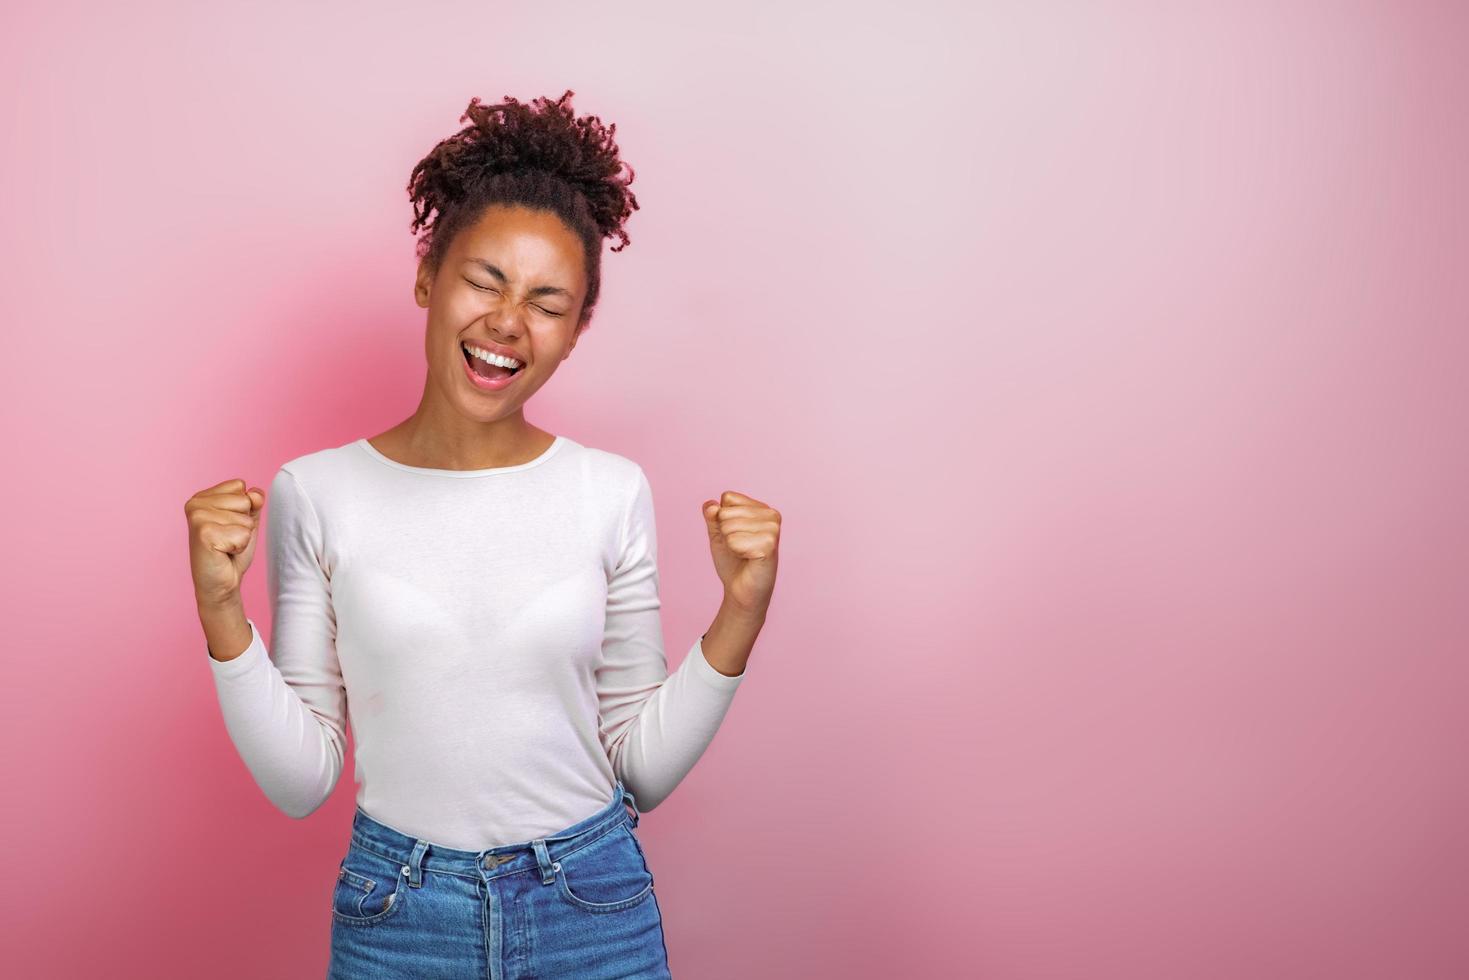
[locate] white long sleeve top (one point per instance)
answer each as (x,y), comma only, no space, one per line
(493,636)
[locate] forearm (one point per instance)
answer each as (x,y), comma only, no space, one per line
(293,751)
(226,631)
(730,638)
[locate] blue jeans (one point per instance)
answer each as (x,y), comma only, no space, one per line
(578,903)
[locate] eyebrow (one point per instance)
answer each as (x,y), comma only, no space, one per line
(494,270)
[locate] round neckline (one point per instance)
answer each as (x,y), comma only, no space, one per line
(546,454)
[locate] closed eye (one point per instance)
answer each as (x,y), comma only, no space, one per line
(491,289)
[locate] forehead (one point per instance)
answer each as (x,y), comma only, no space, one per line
(519,235)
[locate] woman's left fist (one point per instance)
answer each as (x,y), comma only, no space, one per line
(744,535)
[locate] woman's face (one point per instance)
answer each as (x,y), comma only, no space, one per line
(512,283)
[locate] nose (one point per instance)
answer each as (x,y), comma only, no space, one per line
(503,325)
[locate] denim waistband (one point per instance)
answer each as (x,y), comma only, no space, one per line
(417,855)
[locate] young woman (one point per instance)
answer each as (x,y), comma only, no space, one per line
(483,596)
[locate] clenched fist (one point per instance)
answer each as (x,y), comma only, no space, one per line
(744,538)
(224,525)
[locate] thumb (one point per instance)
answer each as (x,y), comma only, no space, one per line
(711,511)
(257,499)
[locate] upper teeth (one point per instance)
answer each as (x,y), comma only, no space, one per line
(492,358)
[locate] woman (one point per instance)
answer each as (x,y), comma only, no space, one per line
(483,594)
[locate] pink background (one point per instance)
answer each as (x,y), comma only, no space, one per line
(1108,364)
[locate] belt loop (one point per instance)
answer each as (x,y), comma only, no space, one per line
(414,867)
(543,858)
(627,797)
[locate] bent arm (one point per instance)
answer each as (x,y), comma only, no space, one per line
(654,726)
(286,715)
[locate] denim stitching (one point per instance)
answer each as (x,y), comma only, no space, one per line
(362,845)
(395,901)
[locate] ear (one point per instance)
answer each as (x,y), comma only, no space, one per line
(423,284)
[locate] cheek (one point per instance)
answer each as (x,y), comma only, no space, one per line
(447,325)
(441,344)
(558,341)
(456,311)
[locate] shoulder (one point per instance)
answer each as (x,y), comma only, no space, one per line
(316,472)
(607,470)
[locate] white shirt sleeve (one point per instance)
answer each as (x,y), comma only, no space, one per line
(287,715)
(653,726)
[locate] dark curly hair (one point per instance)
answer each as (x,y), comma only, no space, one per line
(537,155)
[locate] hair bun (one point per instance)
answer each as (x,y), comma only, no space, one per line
(542,139)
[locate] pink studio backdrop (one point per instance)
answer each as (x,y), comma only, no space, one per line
(1106,361)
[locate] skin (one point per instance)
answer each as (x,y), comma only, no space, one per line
(459,426)
(456,425)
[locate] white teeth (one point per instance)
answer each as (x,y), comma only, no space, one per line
(484,355)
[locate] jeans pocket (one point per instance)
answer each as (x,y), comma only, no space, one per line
(369,888)
(607,875)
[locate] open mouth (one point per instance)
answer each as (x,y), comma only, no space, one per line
(490,373)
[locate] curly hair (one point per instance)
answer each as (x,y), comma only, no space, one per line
(537,155)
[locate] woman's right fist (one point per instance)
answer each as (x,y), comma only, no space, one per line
(224,524)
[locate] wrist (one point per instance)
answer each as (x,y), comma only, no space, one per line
(227,632)
(732,609)
(224,606)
